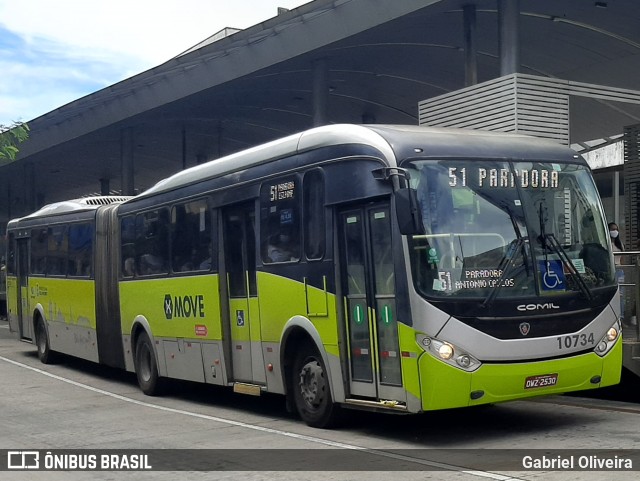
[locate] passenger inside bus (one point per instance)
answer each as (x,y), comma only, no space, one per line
(279,248)
(204,261)
(128,268)
(151,264)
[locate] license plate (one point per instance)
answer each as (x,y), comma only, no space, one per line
(546,380)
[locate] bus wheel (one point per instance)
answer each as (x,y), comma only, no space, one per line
(45,354)
(146,366)
(311,390)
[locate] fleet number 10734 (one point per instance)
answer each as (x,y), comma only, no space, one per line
(575,340)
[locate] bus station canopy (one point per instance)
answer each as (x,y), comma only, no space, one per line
(328,61)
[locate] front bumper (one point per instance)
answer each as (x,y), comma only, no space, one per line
(443,386)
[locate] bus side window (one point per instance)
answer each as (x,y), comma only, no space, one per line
(57,250)
(38,251)
(191,246)
(181,240)
(152,242)
(314,219)
(80,250)
(11,255)
(128,252)
(280,221)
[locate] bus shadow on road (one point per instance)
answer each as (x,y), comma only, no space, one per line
(445,428)
(84,367)
(465,427)
(208,395)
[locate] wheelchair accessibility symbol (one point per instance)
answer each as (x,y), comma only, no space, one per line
(552,275)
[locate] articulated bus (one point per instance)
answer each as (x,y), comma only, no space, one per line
(393,268)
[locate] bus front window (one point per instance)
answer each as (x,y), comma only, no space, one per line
(507,229)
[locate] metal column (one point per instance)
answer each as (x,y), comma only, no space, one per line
(508,21)
(616,196)
(126,156)
(104,186)
(470,46)
(30,193)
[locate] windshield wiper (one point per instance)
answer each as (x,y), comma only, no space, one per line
(505,263)
(566,261)
(505,267)
(549,240)
(516,229)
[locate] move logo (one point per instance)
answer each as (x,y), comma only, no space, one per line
(183,306)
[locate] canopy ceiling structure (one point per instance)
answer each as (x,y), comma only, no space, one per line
(328,61)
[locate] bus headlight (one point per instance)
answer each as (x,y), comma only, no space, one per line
(448,353)
(445,351)
(612,334)
(609,340)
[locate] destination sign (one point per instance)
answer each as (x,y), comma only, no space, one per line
(282,191)
(503,178)
(471,279)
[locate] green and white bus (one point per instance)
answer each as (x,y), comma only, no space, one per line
(393,268)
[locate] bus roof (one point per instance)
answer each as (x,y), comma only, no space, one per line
(325,136)
(393,141)
(74,205)
(443,143)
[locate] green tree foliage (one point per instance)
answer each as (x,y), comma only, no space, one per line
(10,137)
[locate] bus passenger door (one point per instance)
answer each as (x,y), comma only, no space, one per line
(244,315)
(368,285)
(25,326)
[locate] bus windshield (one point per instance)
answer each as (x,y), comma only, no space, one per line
(497,229)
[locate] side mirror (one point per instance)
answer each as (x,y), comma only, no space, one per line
(407,212)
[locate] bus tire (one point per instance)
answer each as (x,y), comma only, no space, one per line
(146,366)
(45,354)
(311,389)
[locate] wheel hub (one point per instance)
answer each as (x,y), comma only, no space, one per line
(312,383)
